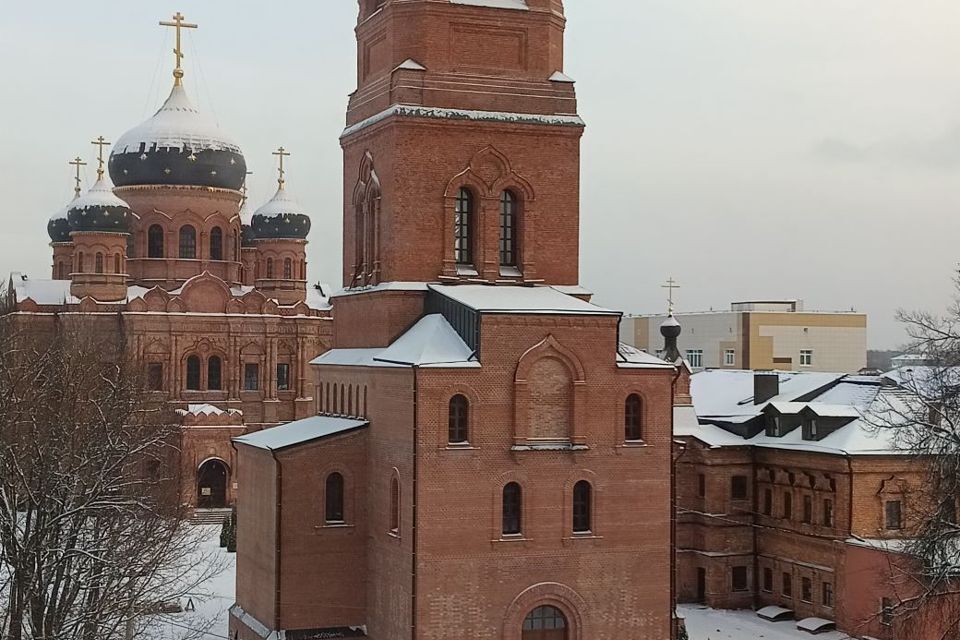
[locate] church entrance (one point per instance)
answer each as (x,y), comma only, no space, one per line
(212,485)
(545,623)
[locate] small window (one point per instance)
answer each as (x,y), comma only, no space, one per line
(738,488)
(116,263)
(807,509)
(155,241)
(512,509)
(828,513)
(395,506)
(459,420)
(508,229)
(155,376)
(188,242)
(269,268)
(702,485)
(739,576)
(216,244)
(80,262)
(695,358)
(633,418)
(582,507)
(767,502)
(806,357)
(251,376)
(214,373)
(463,228)
(193,373)
(61,271)
(730,358)
(893,512)
(283,376)
(886,611)
(787,505)
(99,263)
(333,505)
(288,269)
(786,586)
(828,594)
(806,589)
(768,579)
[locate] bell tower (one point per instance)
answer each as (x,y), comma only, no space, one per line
(462,146)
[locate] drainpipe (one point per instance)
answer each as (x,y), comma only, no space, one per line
(279,541)
(753,528)
(416,465)
(673,512)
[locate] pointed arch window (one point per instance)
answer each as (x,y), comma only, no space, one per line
(287,269)
(215,373)
(582,507)
(459,427)
(512,509)
(99,263)
(463,227)
(333,505)
(632,418)
(193,373)
(509,215)
(155,241)
(216,243)
(188,242)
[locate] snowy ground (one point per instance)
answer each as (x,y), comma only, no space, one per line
(713,624)
(212,602)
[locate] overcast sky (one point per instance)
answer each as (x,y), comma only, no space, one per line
(748,148)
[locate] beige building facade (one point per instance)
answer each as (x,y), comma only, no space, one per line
(761,335)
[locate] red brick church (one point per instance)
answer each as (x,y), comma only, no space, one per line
(487,461)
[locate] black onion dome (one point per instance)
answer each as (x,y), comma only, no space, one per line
(58,228)
(282,217)
(100,210)
(670,328)
(247,236)
(178,146)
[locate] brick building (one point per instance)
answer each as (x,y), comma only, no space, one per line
(214,301)
(487,460)
(791,502)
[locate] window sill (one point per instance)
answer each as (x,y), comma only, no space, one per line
(550,446)
(394,534)
(582,538)
(460,447)
(466,270)
(633,444)
(518,539)
(334,526)
(510,272)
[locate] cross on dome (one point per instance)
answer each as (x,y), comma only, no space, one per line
(77,163)
(100,142)
(672,285)
(281,153)
(178,24)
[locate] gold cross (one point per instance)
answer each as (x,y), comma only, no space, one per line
(282,153)
(77,163)
(178,24)
(101,142)
(671,285)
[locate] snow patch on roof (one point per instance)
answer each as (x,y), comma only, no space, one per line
(383,286)
(560,76)
(499,4)
(205,409)
(100,195)
(281,204)
(519,299)
(299,432)
(630,357)
(411,65)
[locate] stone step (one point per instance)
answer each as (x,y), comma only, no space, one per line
(209,516)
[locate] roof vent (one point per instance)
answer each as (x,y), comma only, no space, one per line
(766,385)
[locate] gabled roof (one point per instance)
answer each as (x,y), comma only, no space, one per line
(519,299)
(629,357)
(300,432)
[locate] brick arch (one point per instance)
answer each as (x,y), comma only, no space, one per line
(621,414)
(496,499)
(553,594)
(549,346)
(532,428)
(596,501)
(443,409)
(350,483)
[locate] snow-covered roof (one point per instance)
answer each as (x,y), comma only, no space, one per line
(499,4)
(411,65)
(573,289)
(100,195)
(43,292)
(383,286)
(205,409)
(518,299)
(729,392)
(281,204)
(176,125)
(431,343)
(630,357)
(560,76)
(300,432)
(715,624)
(62,213)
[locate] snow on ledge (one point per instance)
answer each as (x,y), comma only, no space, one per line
(560,76)
(520,5)
(437,113)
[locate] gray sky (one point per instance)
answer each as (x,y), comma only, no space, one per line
(749,148)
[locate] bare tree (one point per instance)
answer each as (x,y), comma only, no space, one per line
(92,530)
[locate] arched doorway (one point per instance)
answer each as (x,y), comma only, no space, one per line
(545,623)
(212,484)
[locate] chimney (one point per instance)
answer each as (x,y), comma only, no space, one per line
(766,385)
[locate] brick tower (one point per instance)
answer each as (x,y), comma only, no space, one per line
(487,461)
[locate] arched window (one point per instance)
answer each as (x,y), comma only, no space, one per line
(99,263)
(236,246)
(333,505)
(215,373)
(193,373)
(61,271)
(395,505)
(459,427)
(188,242)
(80,262)
(288,269)
(508,229)
(463,228)
(155,241)
(545,622)
(116,263)
(632,418)
(303,269)
(512,509)
(582,507)
(216,243)
(269,268)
